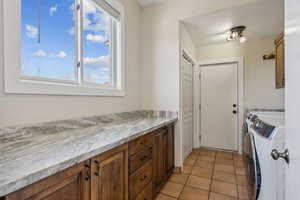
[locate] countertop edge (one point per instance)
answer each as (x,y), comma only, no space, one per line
(34,177)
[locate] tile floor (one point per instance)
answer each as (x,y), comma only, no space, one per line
(209,175)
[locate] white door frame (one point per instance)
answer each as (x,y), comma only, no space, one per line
(197,100)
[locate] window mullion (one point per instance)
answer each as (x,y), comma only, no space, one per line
(79,41)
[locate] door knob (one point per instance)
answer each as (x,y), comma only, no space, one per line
(285,155)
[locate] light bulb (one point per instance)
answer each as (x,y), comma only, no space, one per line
(243,39)
(234,34)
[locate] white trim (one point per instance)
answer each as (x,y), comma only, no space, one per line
(14,83)
(196,99)
(240,62)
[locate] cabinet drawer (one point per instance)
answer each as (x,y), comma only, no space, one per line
(140,143)
(139,159)
(140,179)
(146,194)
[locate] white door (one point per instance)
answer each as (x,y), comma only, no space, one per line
(218,101)
(292,99)
(187,107)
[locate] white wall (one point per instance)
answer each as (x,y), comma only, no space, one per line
(259,79)
(22,109)
(160,50)
(160,47)
(186,42)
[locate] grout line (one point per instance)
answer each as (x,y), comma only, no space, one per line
(211,178)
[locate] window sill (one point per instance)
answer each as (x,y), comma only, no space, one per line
(61,89)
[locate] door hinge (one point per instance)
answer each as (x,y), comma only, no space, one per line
(78,7)
(200,107)
(78,64)
(199,76)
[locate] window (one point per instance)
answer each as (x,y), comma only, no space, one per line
(65,47)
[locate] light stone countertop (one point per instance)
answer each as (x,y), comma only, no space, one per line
(33,152)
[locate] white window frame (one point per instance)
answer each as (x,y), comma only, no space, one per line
(15,83)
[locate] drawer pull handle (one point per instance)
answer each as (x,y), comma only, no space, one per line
(143,158)
(144,178)
(97,168)
(142,142)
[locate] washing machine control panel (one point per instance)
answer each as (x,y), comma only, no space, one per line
(263,128)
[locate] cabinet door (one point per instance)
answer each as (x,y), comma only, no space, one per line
(170,149)
(280,81)
(159,159)
(71,184)
(110,175)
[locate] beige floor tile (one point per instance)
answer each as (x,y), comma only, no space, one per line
(215,196)
(193,156)
(224,168)
(189,162)
(172,189)
(207,153)
(243,192)
(225,153)
(164,197)
(224,157)
(241,171)
(202,172)
(179,178)
(187,169)
(198,182)
(239,163)
(207,158)
(224,188)
(224,161)
(242,180)
(190,193)
(204,164)
(225,177)
(238,156)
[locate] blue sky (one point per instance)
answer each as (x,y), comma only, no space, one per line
(54,56)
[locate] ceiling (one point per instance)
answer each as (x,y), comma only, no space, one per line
(149,2)
(262,19)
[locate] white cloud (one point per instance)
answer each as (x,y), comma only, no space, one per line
(40,53)
(52,10)
(97,38)
(61,54)
(71,31)
(32,31)
(88,7)
(94,19)
(92,60)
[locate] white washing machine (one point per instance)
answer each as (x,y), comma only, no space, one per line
(266,132)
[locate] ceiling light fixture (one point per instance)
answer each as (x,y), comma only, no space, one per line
(236,33)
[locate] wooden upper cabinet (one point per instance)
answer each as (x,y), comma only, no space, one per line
(170,150)
(279,51)
(71,184)
(159,159)
(110,175)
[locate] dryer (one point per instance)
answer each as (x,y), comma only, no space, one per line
(267,133)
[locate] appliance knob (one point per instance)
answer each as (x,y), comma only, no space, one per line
(285,155)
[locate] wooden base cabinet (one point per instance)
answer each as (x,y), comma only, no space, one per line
(110,175)
(71,184)
(163,157)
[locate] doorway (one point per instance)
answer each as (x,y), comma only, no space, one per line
(221,99)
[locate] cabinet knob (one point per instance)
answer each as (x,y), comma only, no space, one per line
(144,178)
